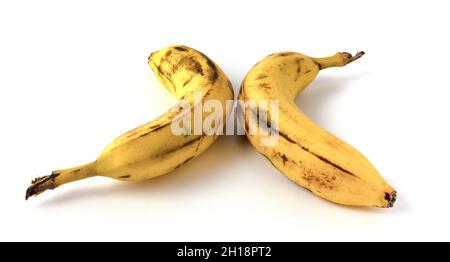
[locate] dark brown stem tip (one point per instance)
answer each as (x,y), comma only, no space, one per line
(350,58)
(40,185)
(390,198)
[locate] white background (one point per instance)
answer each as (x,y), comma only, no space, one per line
(73,76)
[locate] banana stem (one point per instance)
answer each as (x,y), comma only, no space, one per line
(40,185)
(59,177)
(353,58)
(338,60)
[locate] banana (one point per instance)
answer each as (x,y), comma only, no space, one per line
(304,152)
(153,149)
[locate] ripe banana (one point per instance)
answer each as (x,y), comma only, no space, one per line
(306,153)
(153,149)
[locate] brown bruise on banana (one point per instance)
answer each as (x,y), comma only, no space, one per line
(325,180)
(290,140)
(212,66)
(186,161)
(177,148)
(310,180)
(255,112)
(298,70)
(186,82)
(195,66)
(284,54)
(318,65)
(181,48)
(155,128)
(261,76)
(198,141)
(264,85)
(168,122)
(188,63)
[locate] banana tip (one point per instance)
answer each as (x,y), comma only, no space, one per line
(348,58)
(390,198)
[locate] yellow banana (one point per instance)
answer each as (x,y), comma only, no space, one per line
(306,153)
(153,149)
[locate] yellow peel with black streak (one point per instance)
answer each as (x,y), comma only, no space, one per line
(152,149)
(306,153)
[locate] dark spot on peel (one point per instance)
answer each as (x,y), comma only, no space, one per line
(285,136)
(229,84)
(126,176)
(183,145)
(318,65)
(150,55)
(162,73)
(283,54)
(264,85)
(241,91)
(180,48)
(261,76)
(198,145)
(158,127)
(187,160)
(188,62)
(184,162)
(207,93)
(213,67)
(269,122)
(198,68)
(188,81)
(155,128)
(246,127)
(298,69)
(331,163)
(283,157)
